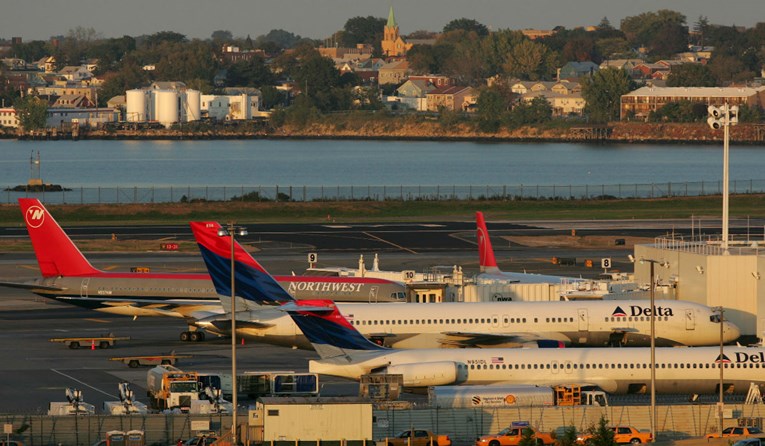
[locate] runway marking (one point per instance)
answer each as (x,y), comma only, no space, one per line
(91,319)
(83,383)
(389,243)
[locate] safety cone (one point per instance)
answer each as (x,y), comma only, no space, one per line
(92,344)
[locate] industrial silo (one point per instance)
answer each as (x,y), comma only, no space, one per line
(193,109)
(166,107)
(136,104)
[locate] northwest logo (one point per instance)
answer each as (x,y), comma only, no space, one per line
(637,310)
(35,216)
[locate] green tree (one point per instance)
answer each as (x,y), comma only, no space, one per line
(603,91)
(496,46)
(32,112)
(367,30)
(281,38)
(250,73)
(662,32)
(691,75)
(602,435)
(492,105)
(31,51)
(222,36)
(530,61)
(680,111)
(536,111)
(467,25)
(466,63)
(527,437)
(164,37)
(568,438)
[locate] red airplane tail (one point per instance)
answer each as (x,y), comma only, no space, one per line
(485,251)
(56,254)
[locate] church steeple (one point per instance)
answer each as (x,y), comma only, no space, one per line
(391,19)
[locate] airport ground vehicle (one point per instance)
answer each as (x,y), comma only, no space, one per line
(742,431)
(104,341)
(513,396)
(170,388)
(512,436)
(749,442)
(418,437)
(622,435)
(149,360)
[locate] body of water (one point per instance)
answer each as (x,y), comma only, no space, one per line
(362,163)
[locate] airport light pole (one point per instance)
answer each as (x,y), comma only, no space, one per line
(721,365)
(232,230)
(724,116)
(654,416)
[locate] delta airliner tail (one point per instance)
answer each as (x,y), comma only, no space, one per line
(327,330)
(252,281)
(56,254)
(485,251)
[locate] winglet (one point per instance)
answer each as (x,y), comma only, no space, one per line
(485,251)
(56,254)
(252,282)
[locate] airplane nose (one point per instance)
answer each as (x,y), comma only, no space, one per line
(730,332)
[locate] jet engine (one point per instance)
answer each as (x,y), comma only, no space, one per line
(429,373)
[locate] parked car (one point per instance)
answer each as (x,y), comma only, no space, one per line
(622,434)
(512,435)
(419,437)
(742,431)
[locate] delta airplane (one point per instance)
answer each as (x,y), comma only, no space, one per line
(489,271)
(67,276)
(346,353)
(479,324)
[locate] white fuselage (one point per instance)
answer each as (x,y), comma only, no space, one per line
(615,370)
(513,324)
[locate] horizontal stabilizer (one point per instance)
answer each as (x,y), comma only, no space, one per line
(31,286)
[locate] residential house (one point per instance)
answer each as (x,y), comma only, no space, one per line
(73,101)
(535,34)
(75,73)
(394,73)
(360,52)
(641,102)
(232,54)
(621,64)
(90,92)
(563,104)
(47,64)
(576,70)
(413,93)
(435,79)
(566,87)
(8,117)
(454,98)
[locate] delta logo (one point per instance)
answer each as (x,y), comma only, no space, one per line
(637,310)
(743,358)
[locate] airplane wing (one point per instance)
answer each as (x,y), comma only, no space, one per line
(468,339)
(31,286)
(115,301)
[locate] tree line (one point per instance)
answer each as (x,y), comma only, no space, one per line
(464,49)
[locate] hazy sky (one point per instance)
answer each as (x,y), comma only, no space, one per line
(40,19)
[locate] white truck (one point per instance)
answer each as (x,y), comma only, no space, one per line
(513,396)
(171,388)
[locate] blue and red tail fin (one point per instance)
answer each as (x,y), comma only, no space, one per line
(56,254)
(485,251)
(330,333)
(252,282)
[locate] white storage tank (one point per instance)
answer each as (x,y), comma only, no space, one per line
(166,107)
(193,109)
(136,105)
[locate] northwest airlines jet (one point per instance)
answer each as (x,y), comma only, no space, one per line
(346,353)
(69,277)
(484,324)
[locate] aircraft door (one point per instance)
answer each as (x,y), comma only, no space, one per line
(584,320)
(690,320)
(84,287)
(373,290)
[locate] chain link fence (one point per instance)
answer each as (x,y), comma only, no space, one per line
(174,194)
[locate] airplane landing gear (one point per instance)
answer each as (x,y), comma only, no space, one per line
(192,336)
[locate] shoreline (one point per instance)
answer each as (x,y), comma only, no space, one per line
(619,133)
